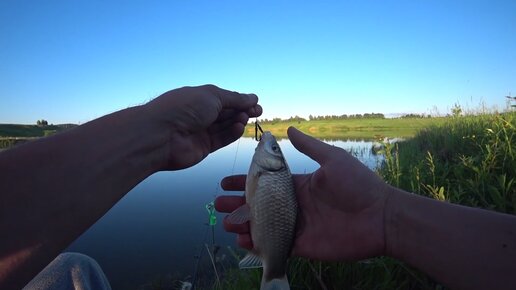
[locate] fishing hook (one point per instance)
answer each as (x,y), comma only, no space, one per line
(256,128)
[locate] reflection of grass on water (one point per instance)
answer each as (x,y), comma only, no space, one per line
(467,160)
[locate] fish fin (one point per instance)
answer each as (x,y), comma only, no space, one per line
(240,215)
(250,261)
(275,284)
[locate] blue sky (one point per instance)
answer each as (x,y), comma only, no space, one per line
(73,61)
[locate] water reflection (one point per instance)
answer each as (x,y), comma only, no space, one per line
(159,226)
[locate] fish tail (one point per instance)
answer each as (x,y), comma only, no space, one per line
(275,284)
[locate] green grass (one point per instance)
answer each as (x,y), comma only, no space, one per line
(13,134)
(378,273)
(351,128)
(466,160)
(14,130)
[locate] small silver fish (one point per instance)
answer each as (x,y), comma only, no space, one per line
(271,210)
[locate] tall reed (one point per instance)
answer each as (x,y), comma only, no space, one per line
(468,160)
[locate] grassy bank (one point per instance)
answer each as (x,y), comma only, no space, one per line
(351,128)
(16,130)
(466,160)
(13,134)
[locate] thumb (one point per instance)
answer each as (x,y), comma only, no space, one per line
(313,148)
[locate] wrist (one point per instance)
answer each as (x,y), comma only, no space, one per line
(393,204)
(143,138)
(154,136)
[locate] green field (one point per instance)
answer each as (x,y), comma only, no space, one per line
(16,130)
(12,134)
(350,128)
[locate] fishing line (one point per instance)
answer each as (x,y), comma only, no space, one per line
(212,218)
(212,258)
(211,224)
(256,128)
(236,155)
(199,256)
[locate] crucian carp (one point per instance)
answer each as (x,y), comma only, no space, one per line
(271,209)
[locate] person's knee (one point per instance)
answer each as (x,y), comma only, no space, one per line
(76,259)
(71,270)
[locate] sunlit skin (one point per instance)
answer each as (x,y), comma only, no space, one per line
(55,188)
(348,213)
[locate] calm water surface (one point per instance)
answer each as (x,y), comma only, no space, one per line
(159,226)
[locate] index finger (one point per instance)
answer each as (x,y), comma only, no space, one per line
(234,182)
(231,99)
(228,203)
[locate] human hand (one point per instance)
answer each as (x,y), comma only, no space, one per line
(198,121)
(341,205)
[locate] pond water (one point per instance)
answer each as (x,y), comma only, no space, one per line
(159,227)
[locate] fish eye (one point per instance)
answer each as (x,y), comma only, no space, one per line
(275,148)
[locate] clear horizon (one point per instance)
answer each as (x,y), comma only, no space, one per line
(71,62)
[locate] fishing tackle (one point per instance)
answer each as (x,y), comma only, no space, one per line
(210,207)
(212,221)
(256,128)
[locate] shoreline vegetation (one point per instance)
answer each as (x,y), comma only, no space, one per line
(14,134)
(370,127)
(22,130)
(349,128)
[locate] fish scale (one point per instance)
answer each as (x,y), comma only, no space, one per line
(274,210)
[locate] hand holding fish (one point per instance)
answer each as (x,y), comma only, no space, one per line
(199,120)
(346,212)
(341,205)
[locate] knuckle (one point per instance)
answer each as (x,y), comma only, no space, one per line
(210,87)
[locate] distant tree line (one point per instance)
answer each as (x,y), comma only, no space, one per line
(279,120)
(326,117)
(42,123)
(352,116)
(407,116)
(510,100)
